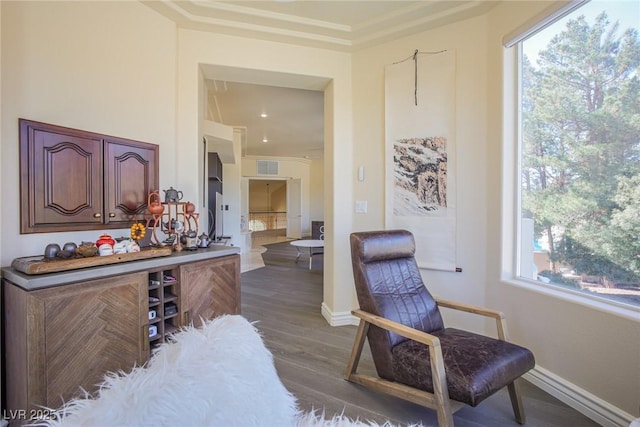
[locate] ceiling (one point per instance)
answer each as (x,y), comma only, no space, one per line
(294,104)
(276,121)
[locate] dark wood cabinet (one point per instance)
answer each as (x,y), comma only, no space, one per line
(64,338)
(77,180)
(67,337)
(212,289)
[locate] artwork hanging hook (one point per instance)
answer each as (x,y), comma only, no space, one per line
(415,77)
(415,69)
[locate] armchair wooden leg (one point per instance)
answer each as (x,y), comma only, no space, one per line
(516,401)
(440,389)
(356,351)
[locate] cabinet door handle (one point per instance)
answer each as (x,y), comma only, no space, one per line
(112,215)
(97,215)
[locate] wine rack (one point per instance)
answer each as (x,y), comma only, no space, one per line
(164,299)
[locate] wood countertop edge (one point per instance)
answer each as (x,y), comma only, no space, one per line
(41,281)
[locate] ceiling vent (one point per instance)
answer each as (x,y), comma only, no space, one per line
(267,167)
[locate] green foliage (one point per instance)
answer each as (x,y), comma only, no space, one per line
(581,148)
(586,261)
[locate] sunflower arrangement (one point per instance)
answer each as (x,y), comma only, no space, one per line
(138,230)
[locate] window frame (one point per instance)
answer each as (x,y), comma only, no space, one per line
(512,208)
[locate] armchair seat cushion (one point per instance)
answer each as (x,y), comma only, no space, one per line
(476,365)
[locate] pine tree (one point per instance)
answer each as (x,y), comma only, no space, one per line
(581,146)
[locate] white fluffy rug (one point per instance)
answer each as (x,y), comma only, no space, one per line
(312,419)
(218,375)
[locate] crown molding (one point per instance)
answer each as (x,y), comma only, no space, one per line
(238,19)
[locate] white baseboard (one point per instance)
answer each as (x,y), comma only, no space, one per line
(339,318)
(581,400)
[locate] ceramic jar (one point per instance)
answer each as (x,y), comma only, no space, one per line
(120,247)
(70,247)
(105,245)
(105,239)
(51,251)
(105,249)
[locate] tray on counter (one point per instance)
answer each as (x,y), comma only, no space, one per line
(38,265)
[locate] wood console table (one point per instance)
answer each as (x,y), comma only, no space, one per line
(63,331)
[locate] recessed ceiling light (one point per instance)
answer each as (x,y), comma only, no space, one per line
(264,115)
(265,139)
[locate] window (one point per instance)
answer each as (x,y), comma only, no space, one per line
(579,131)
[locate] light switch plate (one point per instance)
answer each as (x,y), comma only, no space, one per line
(361,206)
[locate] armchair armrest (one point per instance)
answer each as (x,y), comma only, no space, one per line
(470,308)
(398,328)
(482,311)
(440,397)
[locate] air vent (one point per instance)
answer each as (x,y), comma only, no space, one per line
(267,167)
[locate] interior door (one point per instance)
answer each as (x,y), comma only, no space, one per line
(294,208)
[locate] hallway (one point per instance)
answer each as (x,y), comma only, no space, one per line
(252,259)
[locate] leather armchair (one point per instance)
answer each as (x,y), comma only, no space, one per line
(416,357)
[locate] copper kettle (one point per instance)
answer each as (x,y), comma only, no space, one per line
(154,204)
(189,208)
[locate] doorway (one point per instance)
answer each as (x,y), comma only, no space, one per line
(274,209)
(325,207)
(267,208)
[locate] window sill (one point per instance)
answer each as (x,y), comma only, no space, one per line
(607,306)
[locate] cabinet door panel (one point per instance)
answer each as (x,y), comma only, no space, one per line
(74,180)
(62,170)
(87,330)
(211,288)
(131,171)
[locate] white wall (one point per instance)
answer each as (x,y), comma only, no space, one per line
(316,190)
(231,195)
(470,88)
(106,67)
(279,200)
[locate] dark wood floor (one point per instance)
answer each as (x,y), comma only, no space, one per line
(284,297)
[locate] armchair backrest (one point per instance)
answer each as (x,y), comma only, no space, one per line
(388,284)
